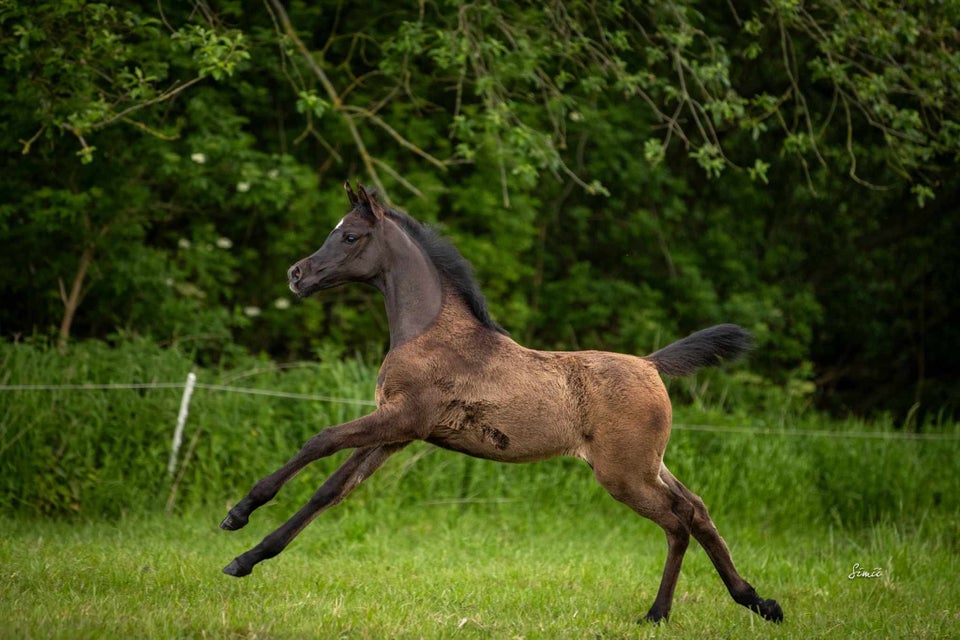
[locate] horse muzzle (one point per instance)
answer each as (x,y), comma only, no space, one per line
(295,277)
(305,279)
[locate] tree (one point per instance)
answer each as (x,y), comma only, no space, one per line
(619,173)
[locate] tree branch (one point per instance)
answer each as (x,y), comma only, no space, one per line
(403,142)
(331,91)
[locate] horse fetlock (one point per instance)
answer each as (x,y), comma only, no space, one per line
(262,492)
(238,517)
(746,595)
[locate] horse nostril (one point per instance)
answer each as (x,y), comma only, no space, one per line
(295,274)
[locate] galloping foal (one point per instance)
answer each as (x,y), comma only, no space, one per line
(454,378)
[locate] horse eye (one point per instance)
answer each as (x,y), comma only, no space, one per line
(350,238)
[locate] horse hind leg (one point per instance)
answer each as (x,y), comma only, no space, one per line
(705,532)
(650,497)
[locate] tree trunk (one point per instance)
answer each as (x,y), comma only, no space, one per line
(72,301)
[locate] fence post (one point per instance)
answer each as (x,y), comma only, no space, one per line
(181,421)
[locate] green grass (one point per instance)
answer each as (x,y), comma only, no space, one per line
(438,544)
(466,571)
(104,453)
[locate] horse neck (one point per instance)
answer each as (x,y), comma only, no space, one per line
(411,285)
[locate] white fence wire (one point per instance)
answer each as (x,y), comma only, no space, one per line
(191,384)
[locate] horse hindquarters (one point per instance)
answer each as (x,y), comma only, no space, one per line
(627,458)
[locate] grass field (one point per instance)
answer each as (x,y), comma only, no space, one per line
(446,570)
(440,545)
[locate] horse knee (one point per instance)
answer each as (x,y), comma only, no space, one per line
(318,446)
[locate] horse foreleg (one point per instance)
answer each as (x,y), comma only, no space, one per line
(709,538)
(381,427)
(359,466)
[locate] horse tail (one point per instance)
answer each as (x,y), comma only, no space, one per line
(709,347)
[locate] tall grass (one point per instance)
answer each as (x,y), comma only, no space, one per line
(104,453)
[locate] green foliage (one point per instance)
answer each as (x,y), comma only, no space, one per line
(90,65)
(105,452)
(619,175)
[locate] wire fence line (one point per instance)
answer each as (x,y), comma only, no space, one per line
(182,385)
(92,386)
(862,435)
(764,431)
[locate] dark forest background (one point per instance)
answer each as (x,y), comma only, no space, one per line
(620,174)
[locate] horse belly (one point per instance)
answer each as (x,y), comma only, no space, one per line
(513,432)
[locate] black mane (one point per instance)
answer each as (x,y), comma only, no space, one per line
(449,262)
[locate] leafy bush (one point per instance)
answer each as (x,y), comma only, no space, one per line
(99,453)
(620,176)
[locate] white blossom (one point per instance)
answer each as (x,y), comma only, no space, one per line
(183,243)
(243,186)
(251,311)
(224,243)
(199,158)
(282,303)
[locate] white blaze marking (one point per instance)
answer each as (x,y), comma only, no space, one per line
(340,224)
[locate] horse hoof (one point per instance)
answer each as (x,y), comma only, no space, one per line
(653,617)
(232,522)
(770,610)
(236,570)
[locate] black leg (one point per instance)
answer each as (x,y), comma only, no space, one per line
(359,466)
(382,427)
(709,538)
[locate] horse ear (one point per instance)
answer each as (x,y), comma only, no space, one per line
(375,207)
(351,194)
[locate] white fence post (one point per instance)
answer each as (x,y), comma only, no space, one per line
(181,421)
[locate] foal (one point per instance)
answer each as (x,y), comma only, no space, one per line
(454,378)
